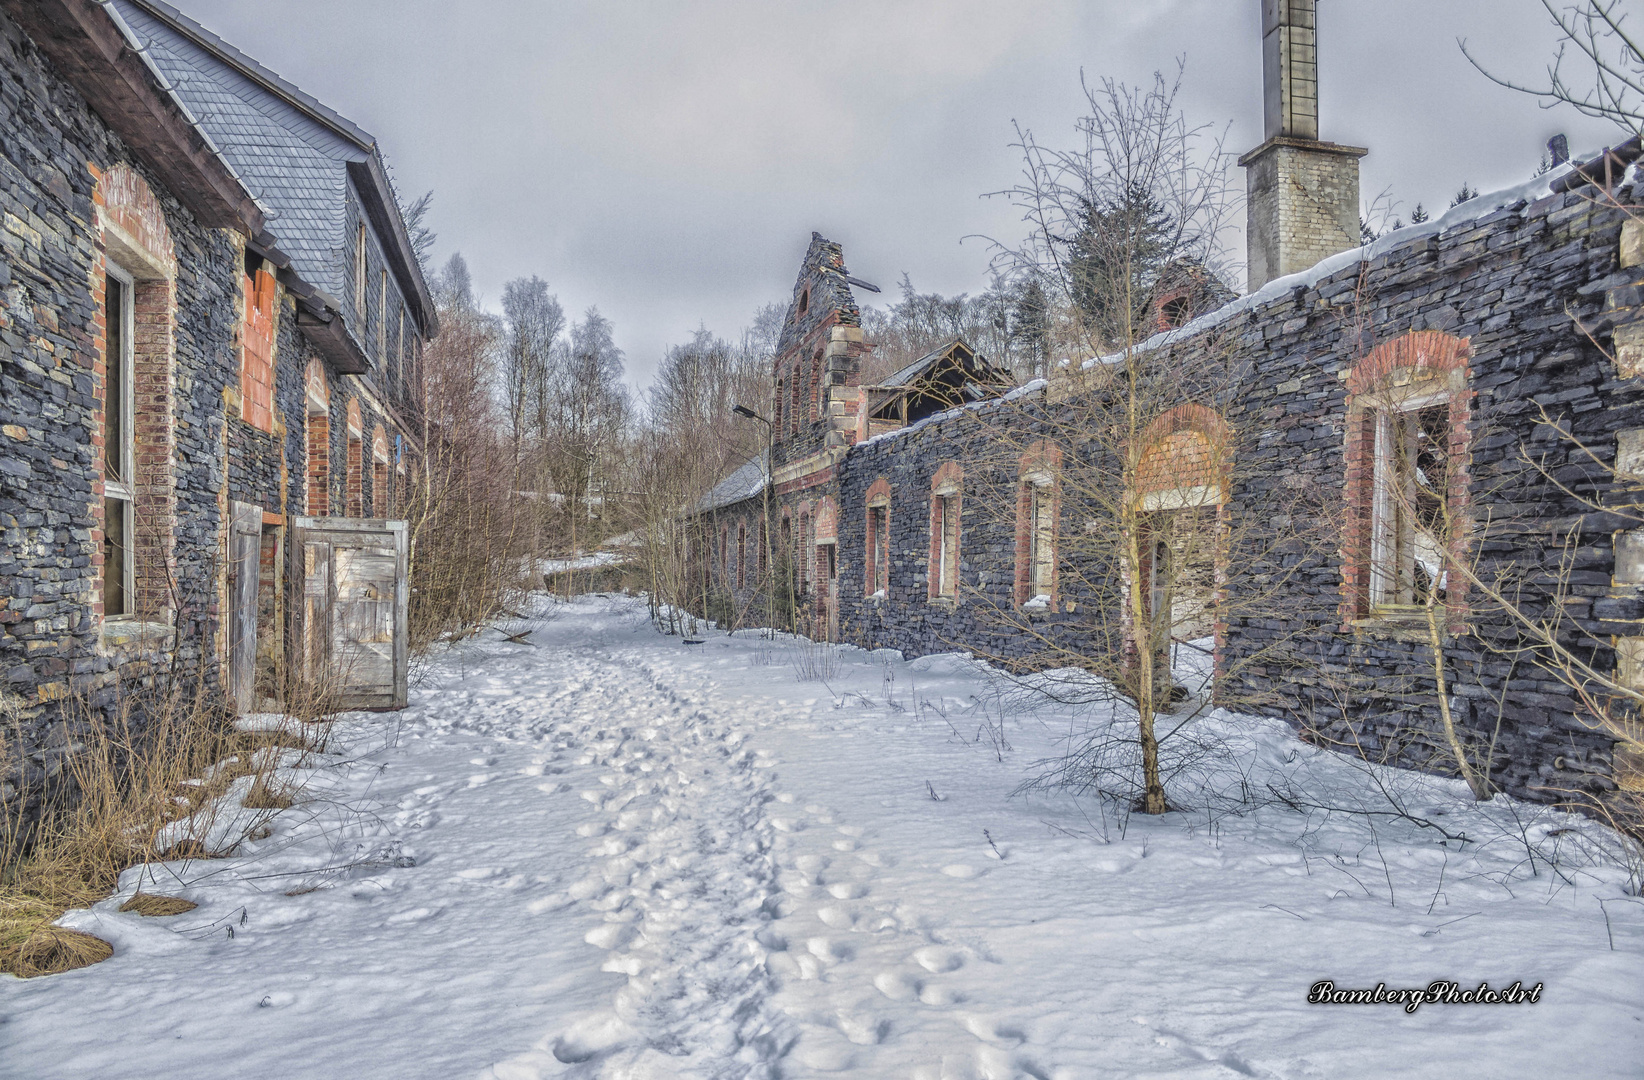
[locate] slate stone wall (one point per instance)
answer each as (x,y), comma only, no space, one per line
(50,142)
(1514,282)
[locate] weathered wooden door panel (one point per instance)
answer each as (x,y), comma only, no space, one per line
(352,614)
(245,537)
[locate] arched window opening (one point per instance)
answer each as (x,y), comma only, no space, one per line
(1408,414)
(945,505)
(878,539)
(1038,502)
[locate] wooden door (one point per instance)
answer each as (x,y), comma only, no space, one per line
(245,541)
(351,629)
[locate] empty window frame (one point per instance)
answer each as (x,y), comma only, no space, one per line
(878,545)
(742,555)
(1409,512)
(1037,584)
(119,452)
(945,509)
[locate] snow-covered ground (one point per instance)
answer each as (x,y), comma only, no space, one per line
(608,854)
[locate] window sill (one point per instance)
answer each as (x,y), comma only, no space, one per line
(126,635)
(947,603)
(1398,625)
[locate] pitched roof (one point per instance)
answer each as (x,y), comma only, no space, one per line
(294,153)
(745,482)
(96,50)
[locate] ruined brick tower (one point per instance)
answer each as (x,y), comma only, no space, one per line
(1303,193)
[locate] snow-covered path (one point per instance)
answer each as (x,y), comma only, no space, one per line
(608,855)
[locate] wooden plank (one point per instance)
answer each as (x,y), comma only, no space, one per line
(244,566)
(365,589)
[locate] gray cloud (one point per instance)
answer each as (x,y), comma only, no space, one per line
(667,161)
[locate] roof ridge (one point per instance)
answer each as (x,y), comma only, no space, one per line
(252,69)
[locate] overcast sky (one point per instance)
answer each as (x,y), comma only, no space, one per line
(667,159)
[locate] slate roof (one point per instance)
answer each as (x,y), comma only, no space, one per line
(746,482)
(290,150)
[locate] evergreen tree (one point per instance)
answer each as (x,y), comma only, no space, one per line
(1466,194)
(1115,258)
(1419,215)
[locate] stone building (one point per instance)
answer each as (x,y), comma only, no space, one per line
(1493,353)
(210,320)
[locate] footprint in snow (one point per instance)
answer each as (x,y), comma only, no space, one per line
(897,985)
(828,950)
(837,916)
(990,1030)
(558,901)
(936,959)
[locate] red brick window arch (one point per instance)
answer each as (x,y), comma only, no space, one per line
(947,491)
(133,333)
(1409,406)
(802,556)
(356,461)
(878,539)
(257,349)
(317,395)
(825,526)
(1038,507)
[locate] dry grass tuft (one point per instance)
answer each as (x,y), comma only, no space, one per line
(267,796)
(157,906)
(44,949)
(137,783)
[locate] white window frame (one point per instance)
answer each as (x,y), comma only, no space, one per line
(1392,540)
(879,547)
(122,487)
(947,542)
(1041,538)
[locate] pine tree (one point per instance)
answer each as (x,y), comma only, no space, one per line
(1466,194)
(1419,215)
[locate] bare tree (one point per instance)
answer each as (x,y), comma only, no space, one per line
(1122,467)
(469,533)
(1598,67)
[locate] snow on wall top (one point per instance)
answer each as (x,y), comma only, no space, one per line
(1522,194)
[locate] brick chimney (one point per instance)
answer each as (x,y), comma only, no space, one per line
(1303,200)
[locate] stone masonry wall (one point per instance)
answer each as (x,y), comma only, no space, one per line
(50,398)
(1512,282)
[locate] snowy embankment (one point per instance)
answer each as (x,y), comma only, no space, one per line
(607,854)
